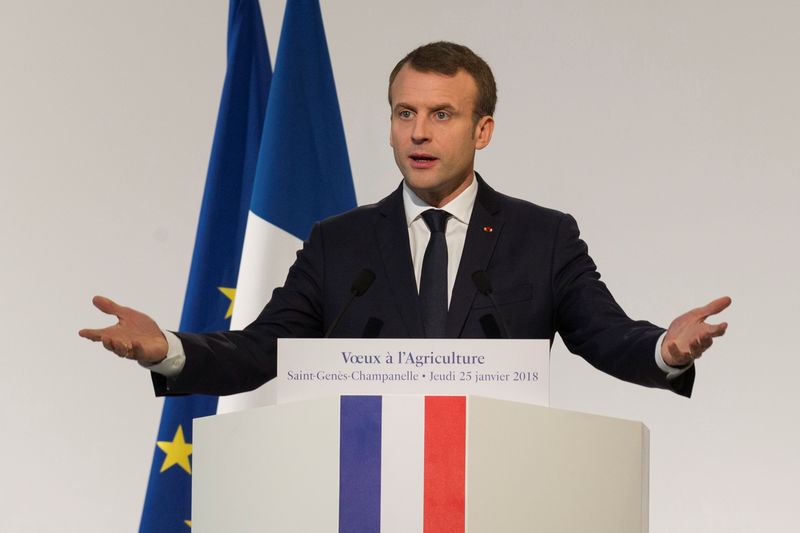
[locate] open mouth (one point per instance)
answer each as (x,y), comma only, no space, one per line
(422,159)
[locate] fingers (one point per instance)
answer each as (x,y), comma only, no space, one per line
(107,305)
(127,349)
(695,349)
(121,345)
(712,308)
(717,330)
(120,348)
(706,339)
(678,357)
(91,334)
(698,346)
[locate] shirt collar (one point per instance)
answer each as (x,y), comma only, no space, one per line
(460,206)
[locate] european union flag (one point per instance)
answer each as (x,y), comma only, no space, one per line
(217,252)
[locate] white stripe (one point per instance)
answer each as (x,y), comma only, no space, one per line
(267,254)
(402,463)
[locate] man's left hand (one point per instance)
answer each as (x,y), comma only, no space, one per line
(689,336)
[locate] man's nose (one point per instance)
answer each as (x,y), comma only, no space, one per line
(421,131)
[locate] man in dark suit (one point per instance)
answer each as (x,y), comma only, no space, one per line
(442,98)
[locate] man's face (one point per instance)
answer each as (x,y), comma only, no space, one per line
(433,135)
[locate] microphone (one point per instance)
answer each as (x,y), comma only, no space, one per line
(361,284)
(484,285)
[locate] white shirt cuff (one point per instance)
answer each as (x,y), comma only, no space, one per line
(171,365)
(672,372)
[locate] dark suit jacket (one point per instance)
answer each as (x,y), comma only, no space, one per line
(544,282)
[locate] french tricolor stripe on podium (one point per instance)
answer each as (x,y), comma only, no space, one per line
(402,464)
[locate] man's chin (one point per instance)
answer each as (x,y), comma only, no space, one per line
(422,183)
(433,193)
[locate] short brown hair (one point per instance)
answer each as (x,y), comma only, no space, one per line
(448,58)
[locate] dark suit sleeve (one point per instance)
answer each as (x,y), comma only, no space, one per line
(594,326)
(229,362)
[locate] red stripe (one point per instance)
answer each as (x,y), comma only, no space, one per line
(445,457)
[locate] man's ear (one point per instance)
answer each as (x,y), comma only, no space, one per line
(483,132)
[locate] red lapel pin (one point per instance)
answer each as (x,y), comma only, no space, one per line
(487,229)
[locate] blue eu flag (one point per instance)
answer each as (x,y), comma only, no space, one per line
(217,252)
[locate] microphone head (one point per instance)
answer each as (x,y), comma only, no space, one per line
(481,280)
(362,282)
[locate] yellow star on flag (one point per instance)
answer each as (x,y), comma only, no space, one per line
(230,292)
(178,452)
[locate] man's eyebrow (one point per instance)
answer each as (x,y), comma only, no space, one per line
(436,107)
(445,107)
(403,105)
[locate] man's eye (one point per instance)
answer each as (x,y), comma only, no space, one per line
(404,114)
(441,115)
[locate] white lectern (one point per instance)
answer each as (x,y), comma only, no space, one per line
(526,468)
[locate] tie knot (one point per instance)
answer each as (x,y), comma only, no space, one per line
(435,219)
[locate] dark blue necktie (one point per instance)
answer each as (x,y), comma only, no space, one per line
(433,280)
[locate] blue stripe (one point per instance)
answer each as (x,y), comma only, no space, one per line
(303,172)
(217,248)
(360,464)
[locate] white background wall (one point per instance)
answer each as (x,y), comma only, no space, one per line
(669,129)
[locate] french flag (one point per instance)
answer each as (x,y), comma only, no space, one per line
(402,464)
(302,175)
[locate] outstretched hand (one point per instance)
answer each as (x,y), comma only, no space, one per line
(689,335)
(136,335)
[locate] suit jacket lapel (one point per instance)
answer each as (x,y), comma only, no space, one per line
(392,236)
(484,229)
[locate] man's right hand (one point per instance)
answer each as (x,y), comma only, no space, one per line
(135,336)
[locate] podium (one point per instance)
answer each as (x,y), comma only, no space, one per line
(525,467)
